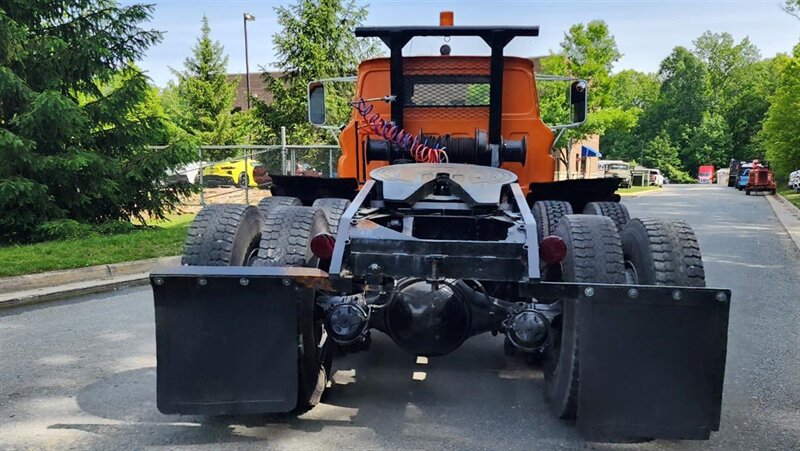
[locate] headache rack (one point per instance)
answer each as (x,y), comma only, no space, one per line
(495,37)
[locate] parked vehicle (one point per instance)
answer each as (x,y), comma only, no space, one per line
(261,176)
(183,174)
(760,178)
(722,176)
(705,175)
(425,239)
(656,179)
(744,175)
(735,169)
(794,180)
(228,173)
(617,169)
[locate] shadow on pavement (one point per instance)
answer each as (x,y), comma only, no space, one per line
(383,393)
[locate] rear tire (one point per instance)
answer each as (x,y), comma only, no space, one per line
(285,241)
(243,180)
(286,236)
(662,252)
(223,235)
(614,210)
(747,192)
(547,213)
(594,254)
(334,209)
(268,203)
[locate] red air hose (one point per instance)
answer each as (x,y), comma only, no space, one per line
(419,150)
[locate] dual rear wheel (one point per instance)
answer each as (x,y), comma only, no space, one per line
(642,252)
(276,233)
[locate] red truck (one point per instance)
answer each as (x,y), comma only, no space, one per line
(760,179)
(705,174)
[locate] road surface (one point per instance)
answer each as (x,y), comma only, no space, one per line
(80,374)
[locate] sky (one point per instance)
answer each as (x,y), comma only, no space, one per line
(645,31)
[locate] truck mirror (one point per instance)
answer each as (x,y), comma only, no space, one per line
(577,100)
(316,103)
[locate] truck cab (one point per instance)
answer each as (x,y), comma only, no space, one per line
(617,169)
(705,175)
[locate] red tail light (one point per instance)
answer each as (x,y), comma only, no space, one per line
(552,250)
(322,245)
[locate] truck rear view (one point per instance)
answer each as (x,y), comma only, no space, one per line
(445,223)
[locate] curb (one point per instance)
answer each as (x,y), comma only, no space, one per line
(55,285)
(642,193)
(786,202)
(788,215)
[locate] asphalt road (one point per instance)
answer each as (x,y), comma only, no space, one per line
(81,374)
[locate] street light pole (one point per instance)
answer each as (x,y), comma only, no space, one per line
(246,18)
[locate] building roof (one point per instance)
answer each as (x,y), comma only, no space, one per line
(258,88)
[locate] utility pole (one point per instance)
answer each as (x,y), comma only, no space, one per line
(247,17)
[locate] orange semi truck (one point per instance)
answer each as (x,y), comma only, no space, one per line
(444,223)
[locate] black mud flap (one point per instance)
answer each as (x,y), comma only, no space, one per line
(577,192)
(652,361)
(227,337)
(308,189)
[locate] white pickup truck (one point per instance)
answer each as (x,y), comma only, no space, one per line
(794,180)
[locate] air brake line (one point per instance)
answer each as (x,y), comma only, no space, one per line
(414,145)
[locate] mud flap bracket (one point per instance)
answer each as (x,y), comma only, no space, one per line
(227,338)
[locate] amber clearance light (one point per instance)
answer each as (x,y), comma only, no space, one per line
(446,19)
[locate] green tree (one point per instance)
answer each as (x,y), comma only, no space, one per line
(682,102)
(781,133)
(707,143)
(747,103)
(591,51)
(588,52)
(631,92)
(660,153)
(316,41)
(203,98)
(76,117)
(792,7)
(725,62)
(631,89)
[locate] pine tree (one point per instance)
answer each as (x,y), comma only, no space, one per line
(76,117)
(206,96)
(316,41)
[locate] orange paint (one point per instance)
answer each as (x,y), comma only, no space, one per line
(520,118)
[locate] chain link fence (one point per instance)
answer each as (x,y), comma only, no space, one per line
(246,178)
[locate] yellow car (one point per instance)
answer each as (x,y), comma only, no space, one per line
(229,173)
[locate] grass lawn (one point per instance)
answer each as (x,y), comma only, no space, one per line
(790,195)
(636,190)
(164,240)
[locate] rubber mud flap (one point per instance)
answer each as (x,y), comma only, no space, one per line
(226,338)
(652,366)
